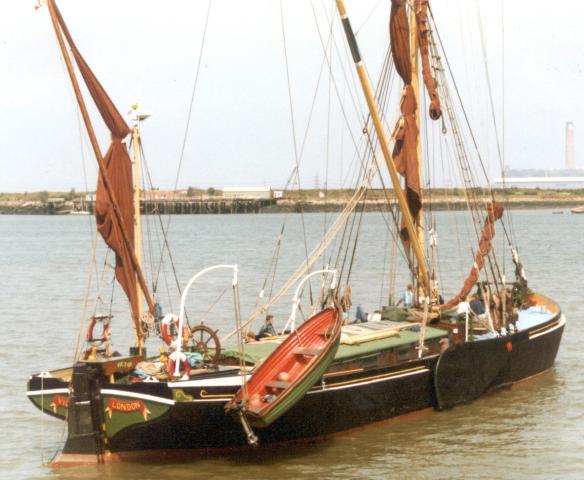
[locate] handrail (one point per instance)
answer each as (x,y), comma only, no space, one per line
(291,323)
(183,298)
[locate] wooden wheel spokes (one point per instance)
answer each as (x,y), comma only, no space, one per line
(206,342)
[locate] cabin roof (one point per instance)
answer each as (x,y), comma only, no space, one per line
(254,352)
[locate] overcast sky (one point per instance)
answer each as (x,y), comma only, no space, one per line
(240,132)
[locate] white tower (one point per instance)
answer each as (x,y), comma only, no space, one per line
(570,152)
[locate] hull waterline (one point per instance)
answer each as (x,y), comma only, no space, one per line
(194,422)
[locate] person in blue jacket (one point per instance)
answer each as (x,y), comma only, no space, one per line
(407,297)
(267,329)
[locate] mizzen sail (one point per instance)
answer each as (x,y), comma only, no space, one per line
(114,197)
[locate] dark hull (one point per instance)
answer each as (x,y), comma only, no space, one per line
(468,370)
(318,414)
(196,419)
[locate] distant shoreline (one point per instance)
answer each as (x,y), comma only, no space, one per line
(263,206)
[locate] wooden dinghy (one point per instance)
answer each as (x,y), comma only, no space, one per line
(290,371)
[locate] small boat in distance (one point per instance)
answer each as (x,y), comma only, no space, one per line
(578,209)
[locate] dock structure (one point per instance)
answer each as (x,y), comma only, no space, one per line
(193,206)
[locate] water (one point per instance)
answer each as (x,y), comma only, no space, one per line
(533,430)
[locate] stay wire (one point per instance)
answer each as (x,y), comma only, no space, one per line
(82,143)
(493,118)
(461,104)
(368,17)
(190,110)
(160,246)
(164,233)
(470,130)
(151,226)
(328,144)
(293,124)
(359,111)
(356,241)
(272,268)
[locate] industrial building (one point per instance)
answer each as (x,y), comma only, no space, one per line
(568,177)
(247,193)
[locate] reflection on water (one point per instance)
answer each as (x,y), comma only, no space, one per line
(532,430)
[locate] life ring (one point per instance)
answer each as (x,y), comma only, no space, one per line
(93,343)
(105,334)
(165,328)
(171,365)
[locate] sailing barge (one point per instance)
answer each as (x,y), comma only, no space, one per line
(426,353)
(367,382)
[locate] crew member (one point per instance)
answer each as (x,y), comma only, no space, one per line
(267,329)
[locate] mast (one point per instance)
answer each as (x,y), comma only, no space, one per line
(137,222)
(414,46)
(384,144)
(137,117)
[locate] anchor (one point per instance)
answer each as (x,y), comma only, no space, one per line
(250,436)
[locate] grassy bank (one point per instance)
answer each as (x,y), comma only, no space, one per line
(311,200)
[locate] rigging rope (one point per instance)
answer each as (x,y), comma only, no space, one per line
(494,120)
(189,115)
(313,257)
(295,143)
(295,171)
(326,48)
(328,141)
(164,233)
(471,133)
(464,164)
(83,320)
(214,304)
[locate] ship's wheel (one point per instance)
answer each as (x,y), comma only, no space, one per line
(206,342)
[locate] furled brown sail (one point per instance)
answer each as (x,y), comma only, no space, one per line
(405,154)
(405,134)
(423,40)
(399,32)
(494,213)
(119,172)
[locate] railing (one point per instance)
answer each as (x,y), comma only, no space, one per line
(291,323)
(181,318)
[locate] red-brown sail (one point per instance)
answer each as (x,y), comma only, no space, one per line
(119,172)
(406,131)
(399,32)
(405,152)
(423,40)
(494,213)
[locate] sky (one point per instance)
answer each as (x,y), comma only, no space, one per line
(240,131)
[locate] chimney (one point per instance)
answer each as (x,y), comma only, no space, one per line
(570,152)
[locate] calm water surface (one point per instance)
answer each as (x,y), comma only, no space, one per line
(533,430)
